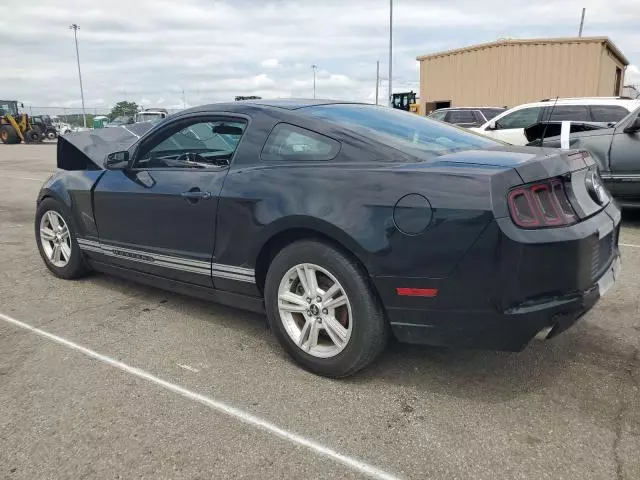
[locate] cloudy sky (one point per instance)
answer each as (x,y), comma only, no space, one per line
(149,51)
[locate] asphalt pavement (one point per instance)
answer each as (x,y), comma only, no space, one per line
(104,378)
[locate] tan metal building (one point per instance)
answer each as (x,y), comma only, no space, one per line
(512,72)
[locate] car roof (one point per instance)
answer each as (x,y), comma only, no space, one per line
(292,103)
(468,108)
(628,103)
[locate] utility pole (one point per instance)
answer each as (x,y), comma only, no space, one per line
(314,67)
(390,52)
(75,29)
(184,100)
(581,22)
(377,79)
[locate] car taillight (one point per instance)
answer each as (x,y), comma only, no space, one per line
(541,205)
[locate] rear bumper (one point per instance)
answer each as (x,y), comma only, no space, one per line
(511,330)
(509,286)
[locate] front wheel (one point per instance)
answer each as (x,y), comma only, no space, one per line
(322,310)
(56,239)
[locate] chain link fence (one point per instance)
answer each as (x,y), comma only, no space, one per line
(73,116)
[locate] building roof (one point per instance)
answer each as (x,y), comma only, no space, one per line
(500,43)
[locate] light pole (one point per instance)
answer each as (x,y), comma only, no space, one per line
(314,67)
(390,51)
(75,29)
(377,79)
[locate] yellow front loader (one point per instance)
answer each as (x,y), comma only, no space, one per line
(15,127)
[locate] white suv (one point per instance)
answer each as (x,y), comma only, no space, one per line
(509,126)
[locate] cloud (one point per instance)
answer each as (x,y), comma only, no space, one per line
(156,49)
(270,63)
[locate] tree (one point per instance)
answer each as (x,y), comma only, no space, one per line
(123,109)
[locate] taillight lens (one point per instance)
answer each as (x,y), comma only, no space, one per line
(541,205)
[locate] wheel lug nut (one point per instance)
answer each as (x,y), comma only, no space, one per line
(308,299)
(325,311)
(318,319)
(318,299)
(309,312)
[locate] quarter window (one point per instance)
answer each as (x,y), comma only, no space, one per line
(608,113)
(519,119)
(290,143)
(198,145)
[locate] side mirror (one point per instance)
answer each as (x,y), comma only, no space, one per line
(492,125)
(633,127)
(117,161)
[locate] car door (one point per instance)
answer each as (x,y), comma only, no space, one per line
(510,127)
(624,162)
(158,215)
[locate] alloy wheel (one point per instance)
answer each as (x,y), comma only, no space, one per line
(55,238)
(315,310)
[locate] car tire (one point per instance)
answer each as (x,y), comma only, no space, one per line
(32,136)
(8,135)
(361,316)
(51,134)
(73,265)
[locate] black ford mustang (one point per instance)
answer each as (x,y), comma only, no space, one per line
(345,222)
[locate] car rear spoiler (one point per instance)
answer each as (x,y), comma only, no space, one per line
(88,150)
(554,128)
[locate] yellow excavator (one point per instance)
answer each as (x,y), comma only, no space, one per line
(16,127)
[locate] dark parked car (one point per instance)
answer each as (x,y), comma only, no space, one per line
(346,223)
(616,149)
(466,117)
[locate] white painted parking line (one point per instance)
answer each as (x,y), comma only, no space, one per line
(217,405)
(41,180)
(629,245)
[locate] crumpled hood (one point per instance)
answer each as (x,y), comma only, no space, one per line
(87,150)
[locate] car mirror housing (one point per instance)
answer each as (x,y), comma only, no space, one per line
(492,125)
(634,127)
(117,160)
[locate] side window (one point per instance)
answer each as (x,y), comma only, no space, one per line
(438,115)
(608,113)
(519,119)
(196,145)
(568,112)
(290,143)
(461,116)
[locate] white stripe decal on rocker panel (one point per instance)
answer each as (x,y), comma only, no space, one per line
(230,272)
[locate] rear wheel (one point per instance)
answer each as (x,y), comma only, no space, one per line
(322,310)
(8,135)
(51,134)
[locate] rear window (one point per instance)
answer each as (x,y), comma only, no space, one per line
(461,116)
(608,113)
(405,131)
(439,115)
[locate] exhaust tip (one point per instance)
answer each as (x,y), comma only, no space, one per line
(544,333)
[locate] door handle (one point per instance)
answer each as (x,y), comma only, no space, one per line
(196,195)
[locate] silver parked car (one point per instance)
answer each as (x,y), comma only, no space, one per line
(615,147)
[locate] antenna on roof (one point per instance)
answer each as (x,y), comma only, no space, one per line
(581,22)
(546,125)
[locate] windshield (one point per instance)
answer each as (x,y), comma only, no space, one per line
(150,117)
(405,131)
(8,108)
